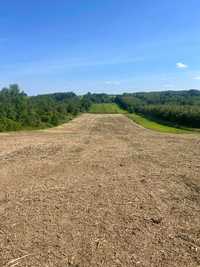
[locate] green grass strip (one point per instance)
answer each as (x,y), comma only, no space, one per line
(152,125)
(106,108)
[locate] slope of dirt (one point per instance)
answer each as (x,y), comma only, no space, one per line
(99,191)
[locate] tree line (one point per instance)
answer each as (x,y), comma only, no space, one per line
(20,111)
(178,108)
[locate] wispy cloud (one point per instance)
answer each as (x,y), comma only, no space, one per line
(168,86)
(196,78)
(112,82)
(181,65)
(50,66)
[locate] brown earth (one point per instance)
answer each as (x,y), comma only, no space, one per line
(99,191)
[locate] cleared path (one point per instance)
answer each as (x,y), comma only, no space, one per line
(99,191)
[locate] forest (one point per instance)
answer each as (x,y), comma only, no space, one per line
(19,111)
(176,108)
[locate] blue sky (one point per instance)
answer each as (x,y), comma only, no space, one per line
(100,45)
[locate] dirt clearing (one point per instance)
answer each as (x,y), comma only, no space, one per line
(99,191)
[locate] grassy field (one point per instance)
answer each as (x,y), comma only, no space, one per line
(106,108)
(149,124)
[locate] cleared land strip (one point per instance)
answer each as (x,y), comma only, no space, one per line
(99,191)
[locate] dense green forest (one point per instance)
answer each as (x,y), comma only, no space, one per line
(20,111)
(178,108)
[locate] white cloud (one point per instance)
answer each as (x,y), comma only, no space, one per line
(197,78)
(113,82)
(168,86)
(181,65)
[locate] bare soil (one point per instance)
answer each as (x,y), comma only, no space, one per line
(99,191)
